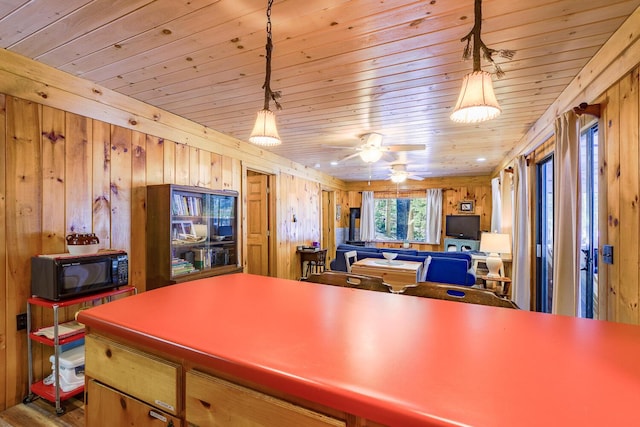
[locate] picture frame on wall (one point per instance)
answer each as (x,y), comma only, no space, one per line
(466,206)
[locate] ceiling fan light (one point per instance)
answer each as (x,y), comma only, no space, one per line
(370,155)
(373,139)
(477,101)
(399,177)
(265,131)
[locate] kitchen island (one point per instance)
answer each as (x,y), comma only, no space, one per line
(343,356)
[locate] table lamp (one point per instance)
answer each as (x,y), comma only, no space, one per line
(494,244)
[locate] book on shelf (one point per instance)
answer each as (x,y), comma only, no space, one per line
(181,266)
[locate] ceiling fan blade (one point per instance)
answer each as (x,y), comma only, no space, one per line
(350,156)
(405,147)
(388,157)
(415,177)
(347,147)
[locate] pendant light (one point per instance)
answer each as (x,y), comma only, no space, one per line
(265,131)
(477,102)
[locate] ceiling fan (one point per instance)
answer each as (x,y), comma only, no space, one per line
(400,174)
(371,149)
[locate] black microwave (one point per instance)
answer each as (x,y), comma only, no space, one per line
(61,276)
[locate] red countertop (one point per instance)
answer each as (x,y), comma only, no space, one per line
(395,359)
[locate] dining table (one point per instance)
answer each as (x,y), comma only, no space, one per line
(397,273)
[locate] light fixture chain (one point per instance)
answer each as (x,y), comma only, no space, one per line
(269,95)
(477,41)
(477,45)
(269,4)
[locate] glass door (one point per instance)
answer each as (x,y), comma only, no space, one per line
(544,235)
(588,291)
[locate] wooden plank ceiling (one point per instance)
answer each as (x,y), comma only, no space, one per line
(345,68)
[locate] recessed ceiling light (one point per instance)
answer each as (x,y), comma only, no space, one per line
(317,165)
(334,163)
(481,159)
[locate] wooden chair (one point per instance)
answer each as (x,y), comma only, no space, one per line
(348,257)
(458,293)
(348,280)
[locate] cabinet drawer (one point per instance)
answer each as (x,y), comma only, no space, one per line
(214,402)
(141,375)
(109,407)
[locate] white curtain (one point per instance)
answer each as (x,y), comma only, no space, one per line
(367,219)
(522,242)
(434,216)
(566,216)
(496,212)
(506,202)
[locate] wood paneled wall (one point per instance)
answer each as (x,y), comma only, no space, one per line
(619,195)
(620,125)
(299,221)
(62,172)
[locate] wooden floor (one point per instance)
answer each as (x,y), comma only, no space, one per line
(41,413)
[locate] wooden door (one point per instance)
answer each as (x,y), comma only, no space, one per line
(257,224)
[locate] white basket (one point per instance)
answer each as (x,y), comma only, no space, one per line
(71,369)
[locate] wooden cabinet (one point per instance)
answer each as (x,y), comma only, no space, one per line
(461,245)
(212,402)
(146,377)
(192,232)
(129,386)
(111,407)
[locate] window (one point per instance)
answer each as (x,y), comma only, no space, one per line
(588,290)
(544,236)
(401,219)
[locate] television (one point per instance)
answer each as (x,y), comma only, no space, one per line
(463,226)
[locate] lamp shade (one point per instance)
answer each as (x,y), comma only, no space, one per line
(370,154)
(477,102)
(265,132)
(498,243)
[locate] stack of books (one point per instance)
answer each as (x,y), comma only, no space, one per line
(180,266)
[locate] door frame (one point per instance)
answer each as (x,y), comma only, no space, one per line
(273,178)
(328,222)
(601,227)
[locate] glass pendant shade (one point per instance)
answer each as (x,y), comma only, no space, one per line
(477,101)
(370,155)
(265,132)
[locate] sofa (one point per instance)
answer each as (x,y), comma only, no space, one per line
(445,267)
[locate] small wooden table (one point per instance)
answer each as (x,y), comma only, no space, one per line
(396,273)
(501,286)
(478,259)
(314,257)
